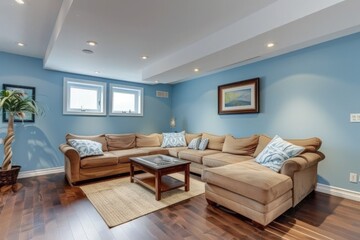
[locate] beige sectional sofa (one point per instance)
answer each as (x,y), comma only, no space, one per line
(233,178)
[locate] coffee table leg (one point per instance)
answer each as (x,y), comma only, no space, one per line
(157,186)
(187,178)
(131,172)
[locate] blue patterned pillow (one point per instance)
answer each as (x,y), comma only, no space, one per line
(194,144)
(86,147)
(174,139)
(277,152)
(203,144)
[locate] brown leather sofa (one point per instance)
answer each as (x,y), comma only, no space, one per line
(233,178)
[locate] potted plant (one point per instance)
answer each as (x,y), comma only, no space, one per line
(13,103)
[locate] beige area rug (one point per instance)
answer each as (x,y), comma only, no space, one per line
(119,201)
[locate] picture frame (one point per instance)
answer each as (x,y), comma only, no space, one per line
(28,91)
(239,97)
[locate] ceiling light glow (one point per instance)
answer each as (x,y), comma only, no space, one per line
(196,69)
(20,44)
(20,2)
(91,43)
(270,45)
(144,57)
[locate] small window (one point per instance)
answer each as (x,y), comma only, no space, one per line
(84,97)
(126,100)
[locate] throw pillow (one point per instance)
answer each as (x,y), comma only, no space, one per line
(203,144)
(194,144)
(277,152)
(174,140)
(86,147)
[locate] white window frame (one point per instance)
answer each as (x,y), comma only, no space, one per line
(100,86)
(139,99)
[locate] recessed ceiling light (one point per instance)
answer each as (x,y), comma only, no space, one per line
(20,2)
(97,72)
(270,45)
(156,81)
(87,51)
(20,44)
(144,57)
(196,70)
(91,43)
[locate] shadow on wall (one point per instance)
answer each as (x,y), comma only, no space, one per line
(32,149)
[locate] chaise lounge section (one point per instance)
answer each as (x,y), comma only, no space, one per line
(259,193)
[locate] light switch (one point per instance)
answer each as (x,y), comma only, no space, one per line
(354,117)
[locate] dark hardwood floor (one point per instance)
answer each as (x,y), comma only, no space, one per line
(48,208)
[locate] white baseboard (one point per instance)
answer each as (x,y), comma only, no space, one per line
(40,172)
(339,192)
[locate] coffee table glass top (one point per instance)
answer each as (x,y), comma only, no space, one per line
(159,161)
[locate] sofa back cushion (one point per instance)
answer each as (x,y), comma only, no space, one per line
(97,138)
(240,146)
(310,144)
(151,140)
(120,141)
(215,142)
(191,136)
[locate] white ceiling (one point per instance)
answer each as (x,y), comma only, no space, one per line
(177,35)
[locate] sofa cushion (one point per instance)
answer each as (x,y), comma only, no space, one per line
(195,155)
(215,142)
(175,151)
(262,143)
(155,150)
(97,138)
(124,155)
(241,146)
(191,136)
(86,148)
(151,140)
(310,144)
(108,159)
(277,152)
(174,140)
(249,179)
(221,159)
(120,141)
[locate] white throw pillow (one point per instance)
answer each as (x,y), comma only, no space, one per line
(203,144)
(174,139)
(277,152)
(86,147)
(194,144)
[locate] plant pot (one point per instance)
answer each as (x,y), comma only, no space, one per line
(9,177)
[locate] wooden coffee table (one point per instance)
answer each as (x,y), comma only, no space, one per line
(157,168)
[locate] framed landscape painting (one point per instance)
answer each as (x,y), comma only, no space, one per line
(28,92)
(239,97)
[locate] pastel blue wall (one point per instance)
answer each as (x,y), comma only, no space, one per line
(36,144)
(310,92)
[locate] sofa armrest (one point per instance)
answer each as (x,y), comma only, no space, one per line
(71,162)
(301,162)
(70,152)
